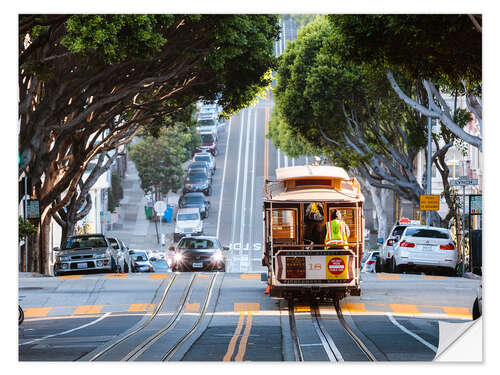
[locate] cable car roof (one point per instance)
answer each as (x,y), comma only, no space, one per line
(305,171)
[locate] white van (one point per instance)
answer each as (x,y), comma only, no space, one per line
(187,222)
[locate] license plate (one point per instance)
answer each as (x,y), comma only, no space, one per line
(427,247)
(197,265)
(81,265)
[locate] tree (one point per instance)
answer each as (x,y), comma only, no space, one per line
(350,110)
(444,52)
(87,83)
(159,160)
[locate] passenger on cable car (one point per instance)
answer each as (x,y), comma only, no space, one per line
(314,220)
(336,232)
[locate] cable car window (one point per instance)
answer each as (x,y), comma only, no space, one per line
(284,223)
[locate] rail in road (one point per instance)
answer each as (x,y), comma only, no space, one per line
(325,334)
(169,331)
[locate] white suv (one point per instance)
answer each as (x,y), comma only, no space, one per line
(425,247)
(187,222)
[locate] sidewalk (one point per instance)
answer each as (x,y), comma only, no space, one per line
(133,228)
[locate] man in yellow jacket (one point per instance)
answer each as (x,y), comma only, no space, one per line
(337,232)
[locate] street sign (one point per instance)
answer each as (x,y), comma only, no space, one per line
(476,204)
(429,203)
(33,209)
(463,181)
(160,207)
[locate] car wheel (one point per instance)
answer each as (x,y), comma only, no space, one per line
(475,310)
(393,266)
(223,268)
(126,268)
(114,267)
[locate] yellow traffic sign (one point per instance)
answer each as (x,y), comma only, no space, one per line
(429,203)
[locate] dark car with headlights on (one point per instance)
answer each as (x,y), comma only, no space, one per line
(195,200)
(87,252)
(200,253)
(197,179)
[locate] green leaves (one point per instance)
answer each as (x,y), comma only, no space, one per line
(25,228)
(159,160)
(116,37)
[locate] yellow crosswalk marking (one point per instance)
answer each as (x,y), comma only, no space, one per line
(250,276)
(88,309)
(70,277)
(158,276)
(354,307)
(246,306)
(115,276)
(459,312)
(388,277)
(434,277)
(140,307)
(404,309)
(36,311)
(192,307)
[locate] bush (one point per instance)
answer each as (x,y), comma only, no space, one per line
(25,228)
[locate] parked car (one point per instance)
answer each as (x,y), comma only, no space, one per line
(200,164)
(142,262)
(209,142)
(121,253)
(85,252)
(198,180)
(201,253)
(207,157)
(369,262)
(187,222)
(388,246)
(425,247)
(195,200)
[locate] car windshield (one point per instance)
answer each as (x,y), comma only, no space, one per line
(196,175)
(139,256)
(191,200)
(85,241)
(207,122)
(197,243)
(183,217)
(203,158)
(427,233)
(207,138)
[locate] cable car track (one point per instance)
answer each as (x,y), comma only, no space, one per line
(140,328)
(327,342)
(138,350)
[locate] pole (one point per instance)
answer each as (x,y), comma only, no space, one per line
(463,233)
(429,163)
(25,214)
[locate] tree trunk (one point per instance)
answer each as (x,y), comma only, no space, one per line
(46,251)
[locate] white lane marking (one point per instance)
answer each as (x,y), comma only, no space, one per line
(250,226)
(223,177)
(233,226)
(245,178)
(415,336)
(68,331)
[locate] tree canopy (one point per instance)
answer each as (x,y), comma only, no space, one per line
(444,52)
(88,83)
(159,160)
